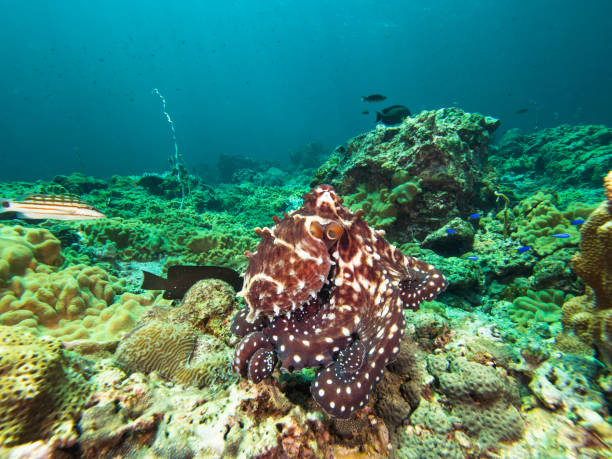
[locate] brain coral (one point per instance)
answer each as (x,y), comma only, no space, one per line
(169,340)
(40,394)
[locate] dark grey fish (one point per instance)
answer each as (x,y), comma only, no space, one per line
(181,278)
(393,115)
(373,98)
(520,111)
(365,112)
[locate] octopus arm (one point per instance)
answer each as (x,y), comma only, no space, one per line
(344,386)
(247,350)
(421,282)
(242,327)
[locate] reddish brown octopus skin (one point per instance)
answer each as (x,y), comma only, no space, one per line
(325,290)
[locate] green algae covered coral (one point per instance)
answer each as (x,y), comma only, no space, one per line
(426,171)
(41,395)
(537,307)
(536,219)
(481,397)
(381,204)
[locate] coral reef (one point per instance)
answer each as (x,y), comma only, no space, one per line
(416,176)
(42,391)
(483,371)
(22,248)
(563,157)
(141,415)
(483,399)
(74,303)
(534,221)
(454,238)
(170,340)
(538,309)
(594,266)
(399,391)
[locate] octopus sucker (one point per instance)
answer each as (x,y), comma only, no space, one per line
(324,290)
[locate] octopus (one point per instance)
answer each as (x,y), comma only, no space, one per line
(325,290)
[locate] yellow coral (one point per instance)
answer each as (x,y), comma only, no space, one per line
(594,265)
(39,395)
(594,262)
(577,316)
(41,242)
(74,303)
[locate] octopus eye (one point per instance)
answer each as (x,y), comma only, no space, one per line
(316,230)
(334,231)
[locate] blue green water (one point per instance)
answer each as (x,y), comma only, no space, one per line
(260,79)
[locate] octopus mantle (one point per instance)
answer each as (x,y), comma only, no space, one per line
(325,290)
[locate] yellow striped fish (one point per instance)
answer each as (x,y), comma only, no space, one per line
(49,206)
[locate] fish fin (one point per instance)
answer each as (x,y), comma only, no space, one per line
(378,116)
(152,281)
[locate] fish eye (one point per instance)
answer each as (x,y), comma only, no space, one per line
(316,230)
(334,231)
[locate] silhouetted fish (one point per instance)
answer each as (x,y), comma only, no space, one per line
(366,112)
(181,278)
(520,111)
(393,115)
(373,98)
(52,207)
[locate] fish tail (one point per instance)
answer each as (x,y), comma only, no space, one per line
(378,116)
(363,99)
(152,281)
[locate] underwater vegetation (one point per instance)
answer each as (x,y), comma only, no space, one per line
(425,294)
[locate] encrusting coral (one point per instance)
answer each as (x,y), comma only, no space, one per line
(481,397)
(41,394)
(594,265)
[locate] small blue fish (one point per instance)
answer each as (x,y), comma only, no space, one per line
(561,235)
(451,231)
(475,216)
(578,221)
(472,257)
(523,248)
